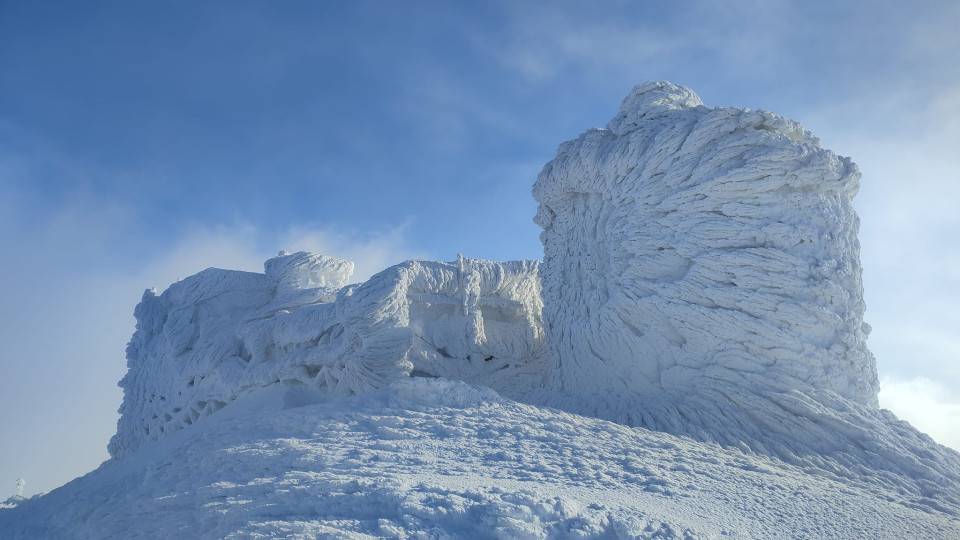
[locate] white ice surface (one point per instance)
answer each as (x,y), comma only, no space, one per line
(684,240)
(430,458)
(220,334)
(701,276)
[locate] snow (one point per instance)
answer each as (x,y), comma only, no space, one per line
(685,238)
(701,276)
(220,334)
(433,458)
(688,361)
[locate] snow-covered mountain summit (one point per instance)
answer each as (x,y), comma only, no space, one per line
(697,317)
(701,276)
(434,458)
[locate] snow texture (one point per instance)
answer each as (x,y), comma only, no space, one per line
(432,458)
(701,276)
(686,242)
(220,334)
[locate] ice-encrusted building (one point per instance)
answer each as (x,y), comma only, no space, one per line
(700,277)
(685,239)
(220,334)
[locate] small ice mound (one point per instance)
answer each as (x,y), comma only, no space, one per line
(648,99)
(430,393)
(303,270)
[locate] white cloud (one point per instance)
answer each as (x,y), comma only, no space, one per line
(926,404)
(643,39)
(546,42)
(245,247)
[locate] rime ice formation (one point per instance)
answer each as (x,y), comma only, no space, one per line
(700,278)
(686,239)
(220,334)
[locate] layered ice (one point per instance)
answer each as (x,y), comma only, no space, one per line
(701,276)
(686,241)
(220,334)
(433,458)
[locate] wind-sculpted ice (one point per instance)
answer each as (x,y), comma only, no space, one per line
(685,241)
(701,276)
(220,334)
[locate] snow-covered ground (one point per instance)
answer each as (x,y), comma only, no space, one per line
(430,458)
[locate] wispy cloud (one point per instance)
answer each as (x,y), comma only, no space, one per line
(644,40)
(926,404)
(545,43)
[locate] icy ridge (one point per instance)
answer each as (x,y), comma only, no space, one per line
(220,334)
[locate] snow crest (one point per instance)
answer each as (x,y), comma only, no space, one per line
(220,334)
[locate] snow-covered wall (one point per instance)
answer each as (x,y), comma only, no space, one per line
(220,334)
(701,277)
(685,241)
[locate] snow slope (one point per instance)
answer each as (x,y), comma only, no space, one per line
(430,458)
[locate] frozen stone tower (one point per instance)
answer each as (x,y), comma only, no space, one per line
(695,252)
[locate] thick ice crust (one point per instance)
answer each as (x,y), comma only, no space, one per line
(684,240)
(220,334)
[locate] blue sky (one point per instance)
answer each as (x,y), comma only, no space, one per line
(142,142)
